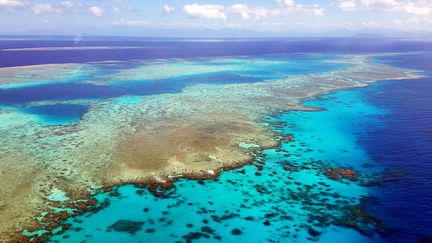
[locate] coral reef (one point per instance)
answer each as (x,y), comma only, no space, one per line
(195,133)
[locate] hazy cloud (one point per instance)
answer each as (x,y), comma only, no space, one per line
(43,8)
(271,15)
(418,8)
(285,3)
(247,12)
(131,22)
(317,10)
(12,3)
(167,8)
(124,9)
(205,11)
(348,5)
(70,4)
(283,7)
(96,11)
(379,3)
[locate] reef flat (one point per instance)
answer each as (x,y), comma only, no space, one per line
(37,74)
(194,133)
(163,69)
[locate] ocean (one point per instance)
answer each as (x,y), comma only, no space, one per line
(383,132)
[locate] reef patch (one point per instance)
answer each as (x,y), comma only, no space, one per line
(127,226)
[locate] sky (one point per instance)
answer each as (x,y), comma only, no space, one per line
(147,17)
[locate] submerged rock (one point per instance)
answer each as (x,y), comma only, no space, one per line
(357,218)
(207,230)
(312,232)
(128,226)
(388,176)
(236,232)
(194,236)
(338,174)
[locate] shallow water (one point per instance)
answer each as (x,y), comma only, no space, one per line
(57,114)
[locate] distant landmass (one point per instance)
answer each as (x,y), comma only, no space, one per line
(224,33)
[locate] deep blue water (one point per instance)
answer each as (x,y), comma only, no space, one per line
(178,48)
(404,143)
(419,61)
(72,91)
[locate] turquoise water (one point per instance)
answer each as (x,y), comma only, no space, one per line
(283,196)
(60,114)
